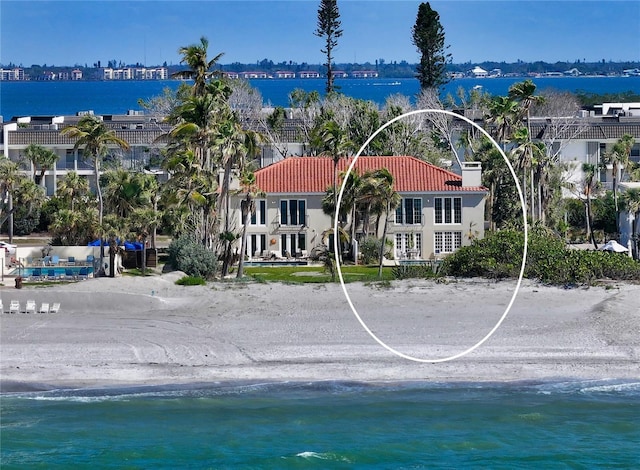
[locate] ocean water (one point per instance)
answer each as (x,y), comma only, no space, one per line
(26,98)
(577,425)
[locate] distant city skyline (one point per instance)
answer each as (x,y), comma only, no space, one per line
(149,32)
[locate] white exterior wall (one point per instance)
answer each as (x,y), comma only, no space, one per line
(317,222)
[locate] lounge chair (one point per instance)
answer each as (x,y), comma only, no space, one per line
(68,274)
(90,260)
(54,308)
(44,308)
(51,275)
(30,307)
(55,260)
(83,273)
(71,261)
(14,307)
(36,274)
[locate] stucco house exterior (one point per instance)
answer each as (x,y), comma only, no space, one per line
(439,212)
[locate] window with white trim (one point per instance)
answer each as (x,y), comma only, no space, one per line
(409,211)
(448,210)
(293,212)
(446,242)
(259,217)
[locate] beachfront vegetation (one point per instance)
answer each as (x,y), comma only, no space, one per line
(192,258)
(549,260)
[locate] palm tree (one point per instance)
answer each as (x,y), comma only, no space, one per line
(195,56)
(377,188)
(10,179)
(41,158)
(142,221)
(121,192)
(631,201)
(95,138)
(114,228)
(333,142)
(590,186)
(618,158)
(503,113)
(236,145)
(72,188)
(523,94)
(248,208)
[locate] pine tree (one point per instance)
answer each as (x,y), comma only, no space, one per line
(329,29)
(428,36)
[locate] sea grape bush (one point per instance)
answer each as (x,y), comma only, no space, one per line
(192,258)
(499,255)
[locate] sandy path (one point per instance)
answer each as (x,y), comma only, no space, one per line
(133,331)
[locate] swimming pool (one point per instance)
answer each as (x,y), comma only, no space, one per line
(54,271)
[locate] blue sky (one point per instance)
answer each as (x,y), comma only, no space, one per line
(71,32)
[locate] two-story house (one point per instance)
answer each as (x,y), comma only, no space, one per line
(439,210)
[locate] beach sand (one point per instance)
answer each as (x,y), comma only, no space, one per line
(132,331)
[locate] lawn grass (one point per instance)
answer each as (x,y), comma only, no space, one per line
(316,274)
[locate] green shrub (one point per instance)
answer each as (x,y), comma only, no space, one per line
(415,271)
(370,250)
(499,255)
(192,258)
(191,281)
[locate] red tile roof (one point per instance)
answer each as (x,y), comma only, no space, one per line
(315,174)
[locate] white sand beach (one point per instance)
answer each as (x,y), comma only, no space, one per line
(149,331)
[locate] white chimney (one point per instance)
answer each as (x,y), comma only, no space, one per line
(471,174)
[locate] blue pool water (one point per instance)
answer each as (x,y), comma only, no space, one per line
(58,271)
(326,425)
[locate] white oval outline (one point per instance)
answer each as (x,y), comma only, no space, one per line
(335,238)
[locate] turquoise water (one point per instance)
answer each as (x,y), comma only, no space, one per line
(326,425)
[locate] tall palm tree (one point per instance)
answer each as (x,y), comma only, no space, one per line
(10,179)
(248,208)
(523,94)
(41,158)
(95,138)
(590,186)
(377,187)
(618,158)
(195,56)
(333,142)
(236,145)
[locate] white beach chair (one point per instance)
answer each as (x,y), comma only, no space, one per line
(30,307)
(14,307)
(44,308)
(54,308)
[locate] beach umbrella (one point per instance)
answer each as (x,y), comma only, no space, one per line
(613,246)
